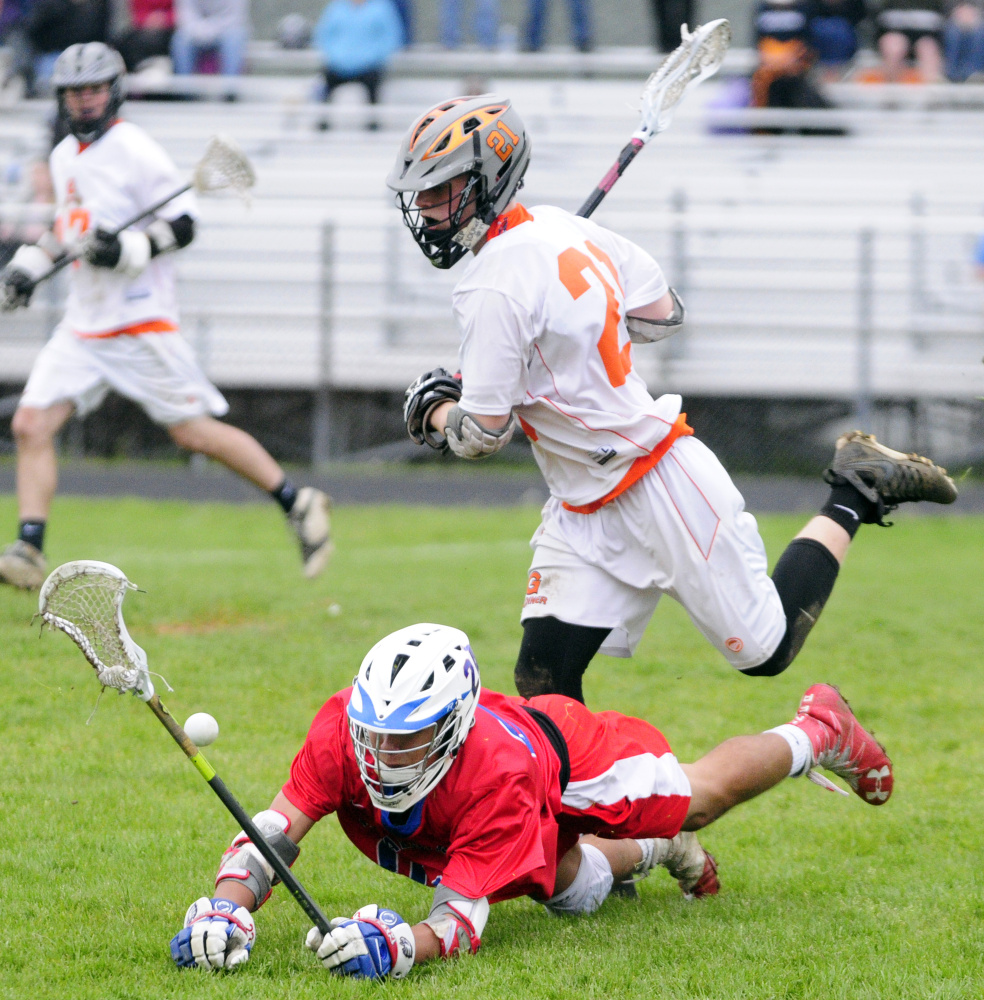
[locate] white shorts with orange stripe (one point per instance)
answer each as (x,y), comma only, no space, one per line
(681,530)
(158,371)
(624,781)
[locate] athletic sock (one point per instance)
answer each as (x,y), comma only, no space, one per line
(32,532)
(849,508)
(799,744)
(285,494)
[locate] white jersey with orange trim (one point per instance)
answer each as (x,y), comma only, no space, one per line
(104,184)
(542,312)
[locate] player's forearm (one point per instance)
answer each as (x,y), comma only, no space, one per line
(438,419)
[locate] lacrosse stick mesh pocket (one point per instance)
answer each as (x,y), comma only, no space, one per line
(87,608)
(224,165)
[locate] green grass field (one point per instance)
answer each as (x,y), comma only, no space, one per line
(109,833)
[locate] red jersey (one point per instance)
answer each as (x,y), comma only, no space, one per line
(489,827)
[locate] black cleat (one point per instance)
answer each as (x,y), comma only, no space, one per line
(885,477)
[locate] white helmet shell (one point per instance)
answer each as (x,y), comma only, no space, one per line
(87,64)
(420,676)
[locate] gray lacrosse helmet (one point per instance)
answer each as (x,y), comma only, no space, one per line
(482,138)
(82,65)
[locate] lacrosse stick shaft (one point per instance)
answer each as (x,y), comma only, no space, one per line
(629,152)
(69,258)
(308,905)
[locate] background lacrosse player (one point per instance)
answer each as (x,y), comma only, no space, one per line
(639,507)
(120,329)
(488,797)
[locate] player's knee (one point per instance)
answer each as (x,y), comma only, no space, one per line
(778,661)
(32,426)
(590,886)
(189,434)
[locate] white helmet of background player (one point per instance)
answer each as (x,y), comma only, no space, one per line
(480,137)
(82,65)
(418,677)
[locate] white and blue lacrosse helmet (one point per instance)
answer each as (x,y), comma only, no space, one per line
(418,677)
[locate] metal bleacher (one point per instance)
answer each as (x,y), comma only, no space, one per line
(812,266)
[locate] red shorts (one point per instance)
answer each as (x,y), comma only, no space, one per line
(625,781)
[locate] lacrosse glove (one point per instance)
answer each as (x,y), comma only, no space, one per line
(374,944)
(26,268)
(127,252)
(217,934)
(430,390)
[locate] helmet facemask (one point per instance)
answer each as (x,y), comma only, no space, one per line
(394,785)
(84,65)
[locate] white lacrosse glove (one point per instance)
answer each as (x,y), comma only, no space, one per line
(28,265)
(127,253)
(374,944)
(217,934)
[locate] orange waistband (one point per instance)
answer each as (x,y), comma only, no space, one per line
(638,468)
(150,326)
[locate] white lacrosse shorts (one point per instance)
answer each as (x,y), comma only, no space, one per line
(158,371)
(681,530)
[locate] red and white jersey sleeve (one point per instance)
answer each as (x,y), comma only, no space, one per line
(104,184)
(542,312)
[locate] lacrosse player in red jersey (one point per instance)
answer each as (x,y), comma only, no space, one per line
(120,329)
(549,307)
(487,797)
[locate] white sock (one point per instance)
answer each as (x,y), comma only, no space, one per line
(643,866)
(799,744)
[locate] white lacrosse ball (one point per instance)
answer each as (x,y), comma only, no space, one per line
(202,729)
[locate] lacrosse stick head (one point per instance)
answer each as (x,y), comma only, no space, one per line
(224,166)
(698,56)
(84,599)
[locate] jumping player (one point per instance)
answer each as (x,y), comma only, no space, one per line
(639,507)
(489,797)
(120,329)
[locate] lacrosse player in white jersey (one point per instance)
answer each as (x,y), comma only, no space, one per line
(549,307)
(120,329)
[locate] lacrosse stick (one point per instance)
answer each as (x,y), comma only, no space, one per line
(84,599)
(697,57)
(223,165)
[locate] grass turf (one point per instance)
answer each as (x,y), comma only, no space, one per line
(109,833)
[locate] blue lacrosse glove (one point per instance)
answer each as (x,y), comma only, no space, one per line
(217,934)
(374,944)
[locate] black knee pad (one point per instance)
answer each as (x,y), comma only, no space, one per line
(804,577)
(554,655)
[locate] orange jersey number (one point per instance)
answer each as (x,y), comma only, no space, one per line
(572,262)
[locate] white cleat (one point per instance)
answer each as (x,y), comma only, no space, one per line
(311,521)
(22,565)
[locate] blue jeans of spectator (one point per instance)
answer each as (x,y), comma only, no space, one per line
(581,34)
(963,51)
(834,39)
(485,20)
(231,49)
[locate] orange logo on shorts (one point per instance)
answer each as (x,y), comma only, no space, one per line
(534,584)
(735,644)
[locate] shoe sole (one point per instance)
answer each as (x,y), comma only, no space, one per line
(23,579)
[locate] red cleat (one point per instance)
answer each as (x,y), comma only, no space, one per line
(843,746)
(707,884)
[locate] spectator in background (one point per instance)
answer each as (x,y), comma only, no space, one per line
(485,23)
(668,15)
(53,25)
(979,258)
(13,37)
(963,40)
(910,40)
(356,39)
(582,34)
(405,9)
(834,34)
(149,33)
(205,28)
(786,56)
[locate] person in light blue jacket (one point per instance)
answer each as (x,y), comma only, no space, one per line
(356,39)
